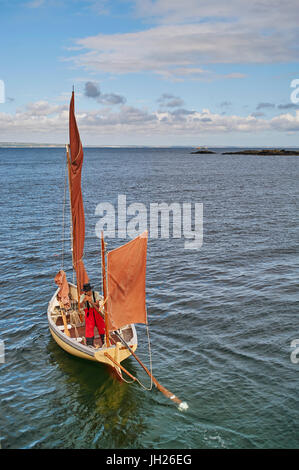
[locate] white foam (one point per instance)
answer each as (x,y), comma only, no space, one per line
(183,406)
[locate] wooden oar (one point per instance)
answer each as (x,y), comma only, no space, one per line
(119,365)
(104,288)
(62,310)
(167,393)
(182,404)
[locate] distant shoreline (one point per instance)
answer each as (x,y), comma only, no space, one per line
(264,152)
(267,151)
(233,150)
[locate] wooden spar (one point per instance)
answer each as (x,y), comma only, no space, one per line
(66,330)
(167,393)
(70,191)
(120,366)
(160,387)
(104,288)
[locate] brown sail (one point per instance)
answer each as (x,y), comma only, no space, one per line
(63,294)
(78,220)
(126,272)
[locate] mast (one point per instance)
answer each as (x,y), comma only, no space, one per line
(104,288)
(69,174)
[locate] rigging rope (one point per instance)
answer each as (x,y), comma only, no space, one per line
(63,223)
(151,368)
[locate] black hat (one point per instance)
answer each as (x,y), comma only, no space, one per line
(87,287)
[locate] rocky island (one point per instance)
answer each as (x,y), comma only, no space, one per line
(263,152)
(202,150)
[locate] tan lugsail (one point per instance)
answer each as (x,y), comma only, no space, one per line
(126,272)
(63,294)
(78,220)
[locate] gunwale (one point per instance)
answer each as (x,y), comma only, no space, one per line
(72,346)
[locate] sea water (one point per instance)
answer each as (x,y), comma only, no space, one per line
(222,317)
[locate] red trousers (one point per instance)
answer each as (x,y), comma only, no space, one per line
(92,319)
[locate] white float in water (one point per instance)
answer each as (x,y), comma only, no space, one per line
(183,406)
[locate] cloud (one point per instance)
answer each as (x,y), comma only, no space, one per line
(288,106)
(172,52)
(225,104)
(92,90)
(267,14)
(280,106)
(35,3)
(257,114)
(42,108)
(44,120)
(182,112)
(190,35)
(112,98)
(179,115)
(99,6)
(265,106)
(170,101)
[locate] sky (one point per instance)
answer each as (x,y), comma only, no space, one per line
(151,72)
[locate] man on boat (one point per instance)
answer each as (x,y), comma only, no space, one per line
(92,317)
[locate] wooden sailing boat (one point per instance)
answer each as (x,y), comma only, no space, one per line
(122,304)
(65,316)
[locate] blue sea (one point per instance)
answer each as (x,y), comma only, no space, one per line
(221,317)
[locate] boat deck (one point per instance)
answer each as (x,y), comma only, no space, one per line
(77,329)
(75,342)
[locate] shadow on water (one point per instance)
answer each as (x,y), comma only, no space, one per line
(98,409)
